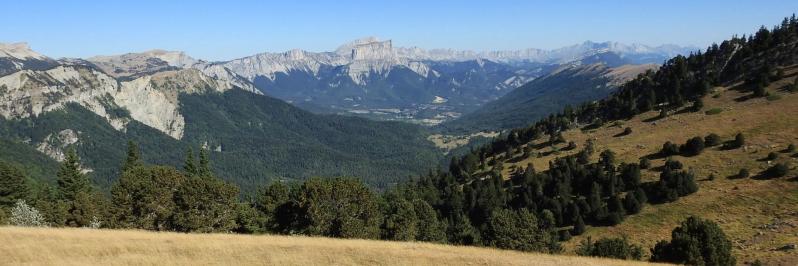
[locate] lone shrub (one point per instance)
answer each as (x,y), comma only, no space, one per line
(744,173)
(790,148)
(24,215)
(695,242)
(777,170)
(618,248)
(712,140)
(669,149)
(693,147)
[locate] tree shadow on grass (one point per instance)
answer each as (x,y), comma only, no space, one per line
(652,119)
(624,133)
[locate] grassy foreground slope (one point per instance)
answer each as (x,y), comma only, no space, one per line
(759,216)
(70,246)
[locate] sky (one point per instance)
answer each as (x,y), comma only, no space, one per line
(223,30)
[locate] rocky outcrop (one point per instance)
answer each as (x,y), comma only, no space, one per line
(54,144)
(151,99)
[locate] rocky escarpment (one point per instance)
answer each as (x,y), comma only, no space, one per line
(151,99)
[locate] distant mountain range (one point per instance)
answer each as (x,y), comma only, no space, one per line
(168,102)
(373,78)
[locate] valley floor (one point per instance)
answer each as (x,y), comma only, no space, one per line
(75,246)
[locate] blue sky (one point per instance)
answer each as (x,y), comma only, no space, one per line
(218,30)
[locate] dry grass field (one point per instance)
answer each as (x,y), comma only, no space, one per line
(758,215)
(70,246)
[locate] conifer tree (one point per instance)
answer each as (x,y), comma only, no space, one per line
(712,140)
(519,230)
(190,165)
(430,228)
(133,157)
(76,192)
(739,140)
(695,242)
(401,220)
(631,204)
(13,186)
(698,104)
(579,226)
(204,168)
(71,181)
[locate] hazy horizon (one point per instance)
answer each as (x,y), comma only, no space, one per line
(223,31)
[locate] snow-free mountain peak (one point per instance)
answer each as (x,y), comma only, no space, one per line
(20,50)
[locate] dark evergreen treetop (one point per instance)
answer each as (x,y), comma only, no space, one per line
(133,157)
(71,181)
(13,185)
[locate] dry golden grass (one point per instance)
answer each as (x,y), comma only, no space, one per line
(69,246)
(758,215)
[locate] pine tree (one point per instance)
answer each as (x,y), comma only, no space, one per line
(739,140)
(461,232)
(269,201)
(695,242)
(698,104)
(204,168)
(76,192)
(777,170)
(13,186)
(71,181)
(519,230)
(693,147)
(631,204)
(400,221)
(205,205)
(430,228)
(712,140)
(669,149)
(743,173)
(759,90)
(579,226)
(594,200)
(143,198)
(190,165)
(133,157)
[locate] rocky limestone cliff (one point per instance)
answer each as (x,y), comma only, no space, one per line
(152,99)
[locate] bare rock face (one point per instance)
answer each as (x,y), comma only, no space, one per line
(146,84)
(150,99)
(54,145)
(359,58)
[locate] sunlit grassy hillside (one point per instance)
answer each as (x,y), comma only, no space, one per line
(760,216)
